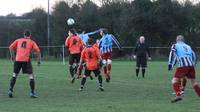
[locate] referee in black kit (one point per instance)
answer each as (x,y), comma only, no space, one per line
(140,54)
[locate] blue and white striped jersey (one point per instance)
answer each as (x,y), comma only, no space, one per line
(85,36)
(183,54)
(106,43)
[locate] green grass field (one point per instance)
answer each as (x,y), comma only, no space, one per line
(125,93)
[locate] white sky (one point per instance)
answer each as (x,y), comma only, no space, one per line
(20,7)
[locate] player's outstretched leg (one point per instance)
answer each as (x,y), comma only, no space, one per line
(196,87)
(32,86)
(176,86)
(100,83)
(105,71)
(109,69)
(12,84)
(80,71)
(137,71)
(143,72)
(183,84)
(71,70)
(83,81)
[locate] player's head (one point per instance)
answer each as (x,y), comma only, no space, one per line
(27,33)
(180,38)
(80,31)
(72,32)
(90,41)
(142,39)
(103,31)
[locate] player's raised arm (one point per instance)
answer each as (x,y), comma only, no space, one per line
(92,33)
(116,42)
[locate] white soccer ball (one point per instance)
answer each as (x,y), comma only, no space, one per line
(70,21)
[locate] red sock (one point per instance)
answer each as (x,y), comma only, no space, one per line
(109,67)
(176,87)
(105,70)
(184,82)
(197,89)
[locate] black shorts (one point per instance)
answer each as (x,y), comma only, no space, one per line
(74,58)
(141,62)
(25,66)
(88,72)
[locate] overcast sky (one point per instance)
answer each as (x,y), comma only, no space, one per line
(20,7)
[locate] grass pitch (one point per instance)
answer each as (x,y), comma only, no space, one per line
(125,92)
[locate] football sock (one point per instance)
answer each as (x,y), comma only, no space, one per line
(32,85)
(12,83)
(109,67)
(83,81)
(184,82)
(176,87)
(105,70)
(75,68)
(197,89)
(71,70)
(137,71)
(100,80)
(143,72)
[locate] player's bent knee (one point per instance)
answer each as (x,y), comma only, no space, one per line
(193,81)
(109,61)
(31,76)
(14,75)
(174,80)
(104,62)
(84,76)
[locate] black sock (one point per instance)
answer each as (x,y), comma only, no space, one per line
(12,83)
(137,71)
(71,70)
(32,85)
(100,80)
(83,81)
(143,72)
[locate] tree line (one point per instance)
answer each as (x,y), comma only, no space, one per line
(158,20)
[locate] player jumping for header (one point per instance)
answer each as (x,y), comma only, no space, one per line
(105,44)
(75,46)
(23,48)
(186,63)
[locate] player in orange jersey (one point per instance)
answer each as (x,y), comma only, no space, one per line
(23,47)
(91,56)
(75,46)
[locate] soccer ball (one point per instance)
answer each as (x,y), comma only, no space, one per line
(70,21)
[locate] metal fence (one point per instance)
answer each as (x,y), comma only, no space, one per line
(60,53)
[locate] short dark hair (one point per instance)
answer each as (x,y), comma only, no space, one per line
(80,31)
(73,31)
(105,31)
(90,41)
(27,33)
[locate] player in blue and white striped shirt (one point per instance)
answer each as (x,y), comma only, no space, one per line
(105,45)
(186,59)
(85,36)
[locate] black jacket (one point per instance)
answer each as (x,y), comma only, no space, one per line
(141,50)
